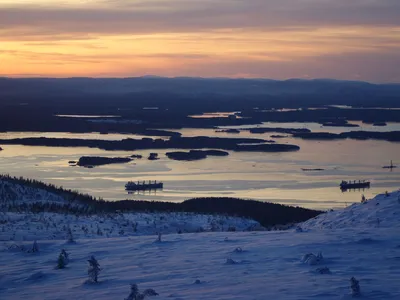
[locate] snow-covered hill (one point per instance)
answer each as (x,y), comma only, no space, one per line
(254,265)
(18,193)
(50,226)
(381,211)
(18,223)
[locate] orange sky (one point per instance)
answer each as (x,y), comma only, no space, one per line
(279,39)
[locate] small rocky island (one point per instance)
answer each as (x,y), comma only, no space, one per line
(379,124)
(153,156)
(92,161)
(261,130)
(338,123)
(232,130)
(195,154)
(279,136)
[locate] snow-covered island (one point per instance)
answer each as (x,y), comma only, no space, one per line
(341,254)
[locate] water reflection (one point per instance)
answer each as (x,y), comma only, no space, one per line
(234,114)
(87,116)
(275,177)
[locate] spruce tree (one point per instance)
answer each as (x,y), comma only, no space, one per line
(60,262)
(93,269)
(35,247)
(136,295)
(355,287)
(70,238)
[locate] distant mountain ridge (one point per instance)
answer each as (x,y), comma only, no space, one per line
(190,85)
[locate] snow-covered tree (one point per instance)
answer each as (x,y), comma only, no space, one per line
(93,269)
(355,287)
(136,295)
(230,261)
(323,270)
(35,247)
(312,259)
(61,261)
(238,250)
(158,237)
(70,238)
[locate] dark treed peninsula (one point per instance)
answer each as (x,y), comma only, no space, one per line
(234,144)
(195,154)
(391,136)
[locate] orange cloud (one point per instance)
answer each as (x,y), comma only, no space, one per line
(254,38)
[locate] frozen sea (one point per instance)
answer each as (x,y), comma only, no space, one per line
(274,177)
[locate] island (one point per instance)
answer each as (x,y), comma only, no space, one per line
(391,136)
(153,156)
(278,136)
(338,124)
(267,148)
(382,124)
(232,130)
(91,161)
(195,154)
(198,142)
(260,130)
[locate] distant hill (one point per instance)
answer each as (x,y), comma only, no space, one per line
(190,86)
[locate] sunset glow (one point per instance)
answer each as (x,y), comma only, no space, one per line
(357,40)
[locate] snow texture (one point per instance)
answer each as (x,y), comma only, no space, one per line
(199,265)
(381,211)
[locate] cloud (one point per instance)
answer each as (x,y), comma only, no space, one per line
(151,17)
(346,39)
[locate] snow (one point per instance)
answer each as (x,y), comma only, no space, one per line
(17,193)
(208,265)
(26,226)
(382,211)
(48,226)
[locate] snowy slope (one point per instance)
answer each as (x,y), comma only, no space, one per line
(194,265)
(39,226)
(269,267)
(19,224)
(11,192)
(381,211)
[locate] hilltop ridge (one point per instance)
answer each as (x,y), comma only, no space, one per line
(380,211)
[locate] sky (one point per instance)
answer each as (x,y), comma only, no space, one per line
(279,39)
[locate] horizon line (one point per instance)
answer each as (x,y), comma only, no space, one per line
(26,76)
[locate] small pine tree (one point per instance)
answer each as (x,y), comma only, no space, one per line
(355,287)
(61,261)
(134,292)
(70,237)
(65,257)
(35,247)
(99,232)
(93,269)
(158,237)
(136,295)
